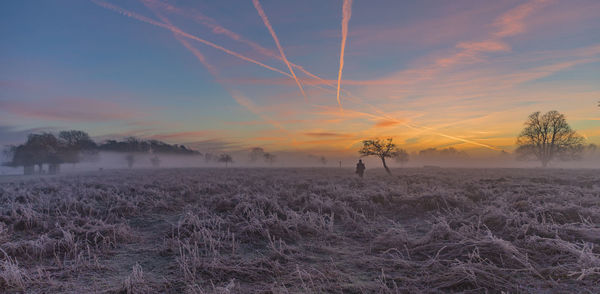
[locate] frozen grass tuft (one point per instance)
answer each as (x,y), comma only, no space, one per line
(302,231)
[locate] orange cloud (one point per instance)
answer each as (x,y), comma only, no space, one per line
(386,123)
(180,135)
(327,134)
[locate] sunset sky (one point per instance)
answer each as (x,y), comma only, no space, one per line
(214,75)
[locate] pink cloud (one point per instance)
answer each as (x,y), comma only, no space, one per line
(69,109)
(513,22)
(180,135)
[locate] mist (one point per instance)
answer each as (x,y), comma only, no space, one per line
(116,160)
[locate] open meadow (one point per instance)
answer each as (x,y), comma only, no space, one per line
(302,231)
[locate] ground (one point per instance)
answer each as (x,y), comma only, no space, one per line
(302,231)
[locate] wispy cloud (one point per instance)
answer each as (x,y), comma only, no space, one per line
(69,109)
(179,136)
(513,22)
(328,134)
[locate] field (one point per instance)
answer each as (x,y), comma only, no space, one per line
(302,231)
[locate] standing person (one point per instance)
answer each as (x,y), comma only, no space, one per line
(360,168)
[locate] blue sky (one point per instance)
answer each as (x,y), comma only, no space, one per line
(429,73)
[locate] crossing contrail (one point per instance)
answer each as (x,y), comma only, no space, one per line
(182,33)
(262,14)
(346,16)
(216,28)
(237,96)
(346,13)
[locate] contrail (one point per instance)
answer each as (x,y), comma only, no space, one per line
(218,29)
(182,33)
(430,130)
(346,13)
(179,32)
(262,14)
(237,96)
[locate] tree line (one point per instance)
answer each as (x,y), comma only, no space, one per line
(544,138)
(75,146)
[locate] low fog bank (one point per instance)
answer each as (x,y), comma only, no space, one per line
(116,160)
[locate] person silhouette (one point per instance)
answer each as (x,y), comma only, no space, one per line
(360,168)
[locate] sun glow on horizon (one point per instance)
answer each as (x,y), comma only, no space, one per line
(465,76)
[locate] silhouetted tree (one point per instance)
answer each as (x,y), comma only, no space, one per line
(269,158)
(256,153)
(547,137)
(453,153)
(76,145)
(323,160)
(381,148)
(133,144)
(22,155)
(226,158)
(428,153)
(401,156)
(39,149)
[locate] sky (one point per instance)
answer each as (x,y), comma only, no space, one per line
(235,74)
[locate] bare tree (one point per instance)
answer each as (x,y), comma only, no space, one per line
(381,148)
(401,157)
(269,158)
(77,145)
(226,158)
(256,153)
(547,137)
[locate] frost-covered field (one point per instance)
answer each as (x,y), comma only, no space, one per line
(302,231)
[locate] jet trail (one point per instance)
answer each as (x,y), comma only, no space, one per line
(346,13)
(182,33)
(237,96)
(262,14)
(200,57)
(216,28)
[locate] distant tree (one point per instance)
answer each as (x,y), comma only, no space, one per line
(208,157)
(269,158)
(547,137)
(449,153)
(76,146)
(401,157)
(453,153)
(130,158)
(21,155)
(323,160)
(225,158)
(256,153)
(591,150)
(133,144)
(381,148)
(428,153)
